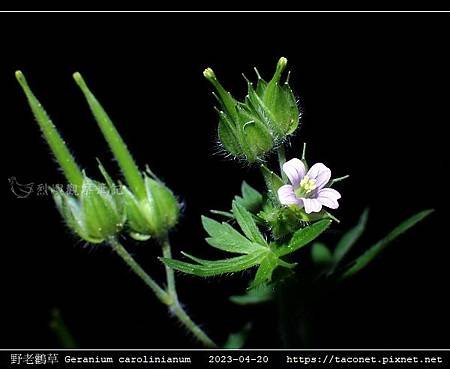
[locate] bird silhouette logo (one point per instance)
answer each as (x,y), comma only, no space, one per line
(22,191)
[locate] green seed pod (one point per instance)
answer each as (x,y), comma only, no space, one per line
(154,215)
(251,129)
(95,215)
(241,132)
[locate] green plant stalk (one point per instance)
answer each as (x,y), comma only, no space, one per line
(170,275)
(165,297)
(162,295)
(118,147)
(184,318)
(57,145)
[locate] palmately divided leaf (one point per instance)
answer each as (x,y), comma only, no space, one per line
(247,224)
(304,236)
(217,267)
(225,237)
(371,253)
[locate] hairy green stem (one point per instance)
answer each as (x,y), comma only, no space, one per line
(162,295)
(184,318)
(167,253)
(167,298)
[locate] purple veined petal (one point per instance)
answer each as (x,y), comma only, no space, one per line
(287,196)
(320,173)
(330,192)
(295,171)
(312,205)
(329,197)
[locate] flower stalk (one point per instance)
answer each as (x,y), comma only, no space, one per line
(170,275)
(167,297)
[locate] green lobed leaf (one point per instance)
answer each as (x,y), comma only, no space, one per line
(371,253)
(247,224)
(304,236)
(217,267)
(226,238)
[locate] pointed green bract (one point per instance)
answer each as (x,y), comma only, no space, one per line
(154,215)
(303,237)
(372,252)
(228,136)
(118,147)
(95,215)
(59,149)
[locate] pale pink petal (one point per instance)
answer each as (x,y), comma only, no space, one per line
(320,173)
(329,197)
(295,171)
(287,196)
(312,205)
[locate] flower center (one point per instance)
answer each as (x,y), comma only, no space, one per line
(307,185)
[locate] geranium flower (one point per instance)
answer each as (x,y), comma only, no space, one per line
(308,189)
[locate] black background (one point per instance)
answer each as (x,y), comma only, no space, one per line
(374,93)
